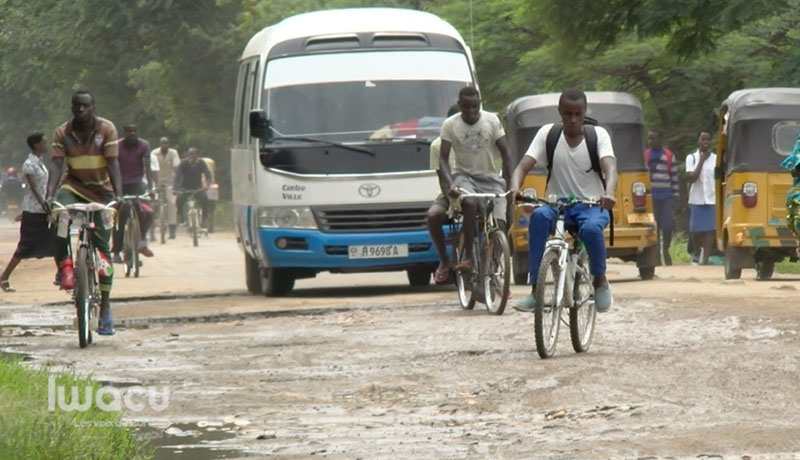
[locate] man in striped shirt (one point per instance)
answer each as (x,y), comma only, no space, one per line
(663,189)
(88,144)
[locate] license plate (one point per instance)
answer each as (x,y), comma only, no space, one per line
(377,251)
(641,218)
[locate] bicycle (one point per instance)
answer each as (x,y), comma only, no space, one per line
(86,291)
(563,281)
(132,235)
(489,282)
(194,214)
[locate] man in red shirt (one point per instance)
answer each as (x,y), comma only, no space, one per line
(134,165)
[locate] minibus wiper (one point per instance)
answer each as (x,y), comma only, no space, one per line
(400,140)
(331,143)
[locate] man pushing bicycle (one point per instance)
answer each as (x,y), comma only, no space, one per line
(477,137)
(581,163)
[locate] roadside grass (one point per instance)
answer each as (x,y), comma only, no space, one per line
(30,431)
(787,267)
(677,250)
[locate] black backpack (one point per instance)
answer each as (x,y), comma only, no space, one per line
(590,134)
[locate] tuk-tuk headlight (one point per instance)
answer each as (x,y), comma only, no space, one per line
(750,194)
(639,190)
(529,192)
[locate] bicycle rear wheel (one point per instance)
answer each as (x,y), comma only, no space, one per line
(131,245)
(83,297)
(582,314)
(497,276)
(466,298)
(547,316)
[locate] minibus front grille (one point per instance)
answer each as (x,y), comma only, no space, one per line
(372,218)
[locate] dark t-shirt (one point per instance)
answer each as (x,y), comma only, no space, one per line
(189,176)
(131,161)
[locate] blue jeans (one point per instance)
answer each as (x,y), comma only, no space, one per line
(590,222)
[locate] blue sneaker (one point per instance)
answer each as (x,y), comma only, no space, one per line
(105,323)
(603,300)
(526,305)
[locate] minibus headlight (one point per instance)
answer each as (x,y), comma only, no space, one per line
(286,217)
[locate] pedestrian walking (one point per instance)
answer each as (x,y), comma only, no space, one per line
(663,189)
(702,198)
(36,238)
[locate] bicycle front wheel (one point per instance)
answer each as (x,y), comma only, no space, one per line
(547,316)
(497,276)
(463,280)
(195,226)
(583,312)
(83,297)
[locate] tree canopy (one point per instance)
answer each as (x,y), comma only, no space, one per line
(170,65)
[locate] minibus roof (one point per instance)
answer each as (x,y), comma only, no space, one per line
(348,21)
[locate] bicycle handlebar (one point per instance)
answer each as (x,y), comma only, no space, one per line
(561,203)
(144,196)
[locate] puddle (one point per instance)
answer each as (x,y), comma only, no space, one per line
(9,355)
(190,441)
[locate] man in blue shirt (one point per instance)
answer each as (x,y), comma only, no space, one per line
(663,189)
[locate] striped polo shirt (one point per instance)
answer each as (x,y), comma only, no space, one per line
(663,176)
(87,168)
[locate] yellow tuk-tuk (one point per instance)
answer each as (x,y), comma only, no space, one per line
(621,114)
(756,130)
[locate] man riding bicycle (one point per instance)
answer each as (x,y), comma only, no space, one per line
(477,137)
(134,164)
(189,176)
(572,173)
(89,145)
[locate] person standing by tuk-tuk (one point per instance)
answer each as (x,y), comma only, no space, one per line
(663,189)
(702,198)
(792,163)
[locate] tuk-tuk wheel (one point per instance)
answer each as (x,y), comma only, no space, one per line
(764,270)
(731,272)
(647,273)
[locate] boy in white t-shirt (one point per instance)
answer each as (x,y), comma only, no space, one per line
(572,175)
(475,137)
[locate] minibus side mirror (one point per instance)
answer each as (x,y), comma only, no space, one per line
(260,126)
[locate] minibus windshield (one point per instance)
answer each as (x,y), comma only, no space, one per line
(361,96)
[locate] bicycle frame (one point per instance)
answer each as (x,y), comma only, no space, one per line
(567,263)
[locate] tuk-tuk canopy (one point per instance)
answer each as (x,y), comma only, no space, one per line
(763,103)
(620,113)
(762,125)
(606,107)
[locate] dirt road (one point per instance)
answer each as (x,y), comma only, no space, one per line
(362,366)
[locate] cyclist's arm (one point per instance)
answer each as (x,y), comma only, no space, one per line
(207,174)
(55,176)
(609,166)
(502,146)
(149,172)
(114,174)
(518,176)
(176,181)
(445,175)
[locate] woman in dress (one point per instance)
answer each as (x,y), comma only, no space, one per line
(35,235)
